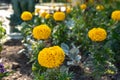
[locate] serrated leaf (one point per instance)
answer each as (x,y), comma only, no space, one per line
(24,24)
(28,46)
(65,47)
(64,69)
(78,58)
(74,51)
(70,63)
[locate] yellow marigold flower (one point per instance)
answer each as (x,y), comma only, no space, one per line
(53,6)
(83,6)
(48,16)
(26,16)
(68,10)
(97,34)
(51,57)
(110,71)
(59,16)
(41,32)
(43,14)
(65,5)
(77,2)
(99,7)
(37,10)
(116,15)
(91,1)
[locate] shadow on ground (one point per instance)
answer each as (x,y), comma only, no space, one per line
(16,62)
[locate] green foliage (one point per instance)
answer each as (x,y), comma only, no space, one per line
(60,33)
(55,74)
(72,35)
(73,54)
(2,35)
(33,47)
(3,71)
(2,31)
(115,46)
(3,75)
(97,53)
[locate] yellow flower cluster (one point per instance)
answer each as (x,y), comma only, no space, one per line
(51,57)
(83,6)
(43,14)
(37,10)
(97,34)
(110,71)
(26,16)
(91,1)
(59,16)
(47,16)
(99,7)
(41,32)
(68,10)
(116,15)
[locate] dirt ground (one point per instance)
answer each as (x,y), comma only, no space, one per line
(13,62)
(17,63)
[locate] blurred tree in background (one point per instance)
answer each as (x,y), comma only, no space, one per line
(18,7)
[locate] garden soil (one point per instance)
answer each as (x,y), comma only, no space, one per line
(15,63)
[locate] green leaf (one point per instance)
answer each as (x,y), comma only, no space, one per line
(65,47)
(77,58)
(74,51)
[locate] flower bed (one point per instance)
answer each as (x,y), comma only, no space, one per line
(86,34)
